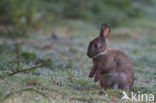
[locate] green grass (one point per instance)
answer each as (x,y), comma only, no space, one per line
(63,76)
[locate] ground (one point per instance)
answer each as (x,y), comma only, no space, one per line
(63,75)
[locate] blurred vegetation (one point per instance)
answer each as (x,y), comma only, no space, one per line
(19,15)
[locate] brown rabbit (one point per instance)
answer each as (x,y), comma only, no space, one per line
(112,67)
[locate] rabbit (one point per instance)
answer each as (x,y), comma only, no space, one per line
(111,67)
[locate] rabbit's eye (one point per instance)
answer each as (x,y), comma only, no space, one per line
(96,46)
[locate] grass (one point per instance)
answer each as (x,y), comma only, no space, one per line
(63,76)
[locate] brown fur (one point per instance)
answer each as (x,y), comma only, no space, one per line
(113,69)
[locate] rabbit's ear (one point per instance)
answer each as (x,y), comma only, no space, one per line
(105,30)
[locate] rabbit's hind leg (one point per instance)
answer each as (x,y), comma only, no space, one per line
(115,86)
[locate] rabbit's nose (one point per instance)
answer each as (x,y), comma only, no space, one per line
(88,54)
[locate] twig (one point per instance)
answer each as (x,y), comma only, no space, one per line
(24,70)
(24,90)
